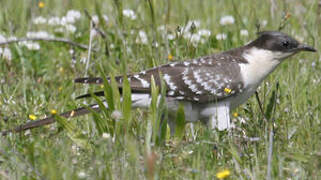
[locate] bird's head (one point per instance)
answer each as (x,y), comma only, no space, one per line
(278,45)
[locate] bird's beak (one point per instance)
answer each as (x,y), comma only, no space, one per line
(304,47)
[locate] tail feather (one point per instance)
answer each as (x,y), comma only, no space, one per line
(50,120)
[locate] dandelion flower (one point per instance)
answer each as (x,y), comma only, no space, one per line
(41,4)
(227,90)
(226,20)
(223,174)
(53,111)
(32,117)
(235,114)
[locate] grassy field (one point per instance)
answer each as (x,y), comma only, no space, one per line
(37,78)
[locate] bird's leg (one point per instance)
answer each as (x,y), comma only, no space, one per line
(220,118)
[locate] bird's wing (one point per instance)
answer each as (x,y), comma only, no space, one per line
(201,80)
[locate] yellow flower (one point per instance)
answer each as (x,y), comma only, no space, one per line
(60,88)
(235,114)
(223,174)
(227,90)
(170,57)
(41,4)
(61,70)
(32,117)
(53,111)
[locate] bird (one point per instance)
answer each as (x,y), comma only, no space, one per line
(208,87)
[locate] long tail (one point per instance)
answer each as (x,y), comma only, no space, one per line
(51,119)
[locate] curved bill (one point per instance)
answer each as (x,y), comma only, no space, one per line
(304,47)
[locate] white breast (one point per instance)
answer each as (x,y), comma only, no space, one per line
(260,64)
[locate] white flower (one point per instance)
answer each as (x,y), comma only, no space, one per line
(71,28)
(116,115)
(39,34)
(12,38)
(83,60)
(39,20)
(106,19)
(170,36)
(264,23)
(204,32)
(30,45)
(6,54)
(54,21)
(225,20)
(2,38)
(93,33)
(161,28)
(142,37)
(59,30)
(313,64)
(73,14)
(106,135)
(129,13)
(70,18)
(82,175)
(221,36)
(95,19)
(195,38)
(244,32)
(195,23)
(299,38)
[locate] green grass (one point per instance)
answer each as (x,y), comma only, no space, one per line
(34,82)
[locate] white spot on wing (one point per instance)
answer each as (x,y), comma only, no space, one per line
(169,82)
(186,63)
(144,83)
(180,97)
(171,93)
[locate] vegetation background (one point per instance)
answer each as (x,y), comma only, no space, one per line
(37,79)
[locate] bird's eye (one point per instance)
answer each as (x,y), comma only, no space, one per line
(285,44)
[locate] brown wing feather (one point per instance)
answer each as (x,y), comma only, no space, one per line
(200,80)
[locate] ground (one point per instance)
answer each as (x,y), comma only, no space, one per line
(37,80)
